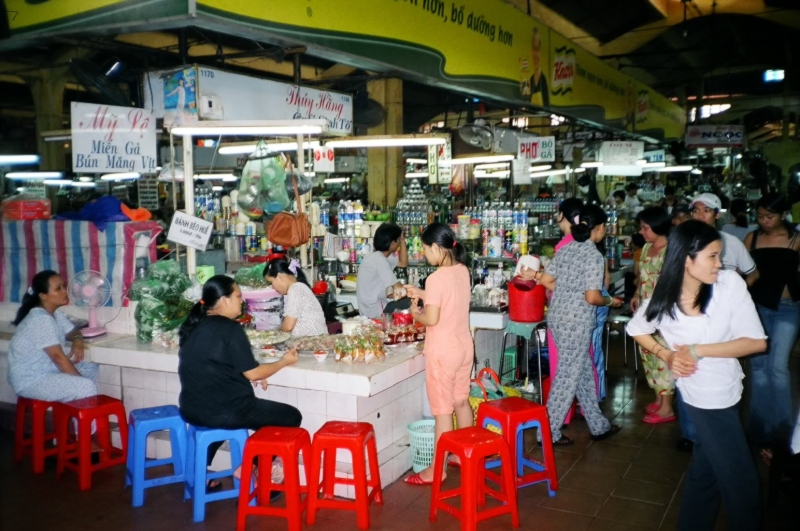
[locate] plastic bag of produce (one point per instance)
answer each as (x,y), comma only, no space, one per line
(252,277)
(164,270)
(145,287)
(263,184)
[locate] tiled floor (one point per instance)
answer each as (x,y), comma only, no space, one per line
(631,482)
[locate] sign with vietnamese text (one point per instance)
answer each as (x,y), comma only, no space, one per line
(190,231)
(110,139)
(148,192)
(621,153)
(323,160)
(732,136)
(539,149)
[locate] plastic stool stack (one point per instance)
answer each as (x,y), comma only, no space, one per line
(266,443)
(197,473)
(359,439)
(473,445)
(512,416)
(35,444)
(141,423)
(94,409)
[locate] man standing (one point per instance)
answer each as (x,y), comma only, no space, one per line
(376,272)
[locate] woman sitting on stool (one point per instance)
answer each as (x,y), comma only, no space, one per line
(38,368)
(218,371)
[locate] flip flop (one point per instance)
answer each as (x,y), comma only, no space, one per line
(452,463)
(654,418)
(651,408)
(416,479)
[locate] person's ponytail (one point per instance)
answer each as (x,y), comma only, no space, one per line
(214,289)
(444,237)
(590,217)
(40,285)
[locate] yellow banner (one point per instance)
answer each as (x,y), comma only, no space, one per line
(23,13)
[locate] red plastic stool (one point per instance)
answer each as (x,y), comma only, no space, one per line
(266,443)
(473,445)
(512,416)
(35,444)
(359,439)
(94,408)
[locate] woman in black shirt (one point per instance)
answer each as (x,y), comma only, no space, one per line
(218,371)
(775,249)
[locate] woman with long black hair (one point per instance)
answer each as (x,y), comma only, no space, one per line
(775,248)
(302,312)
(38,366)
(218,371)
(707,317)
(576,276)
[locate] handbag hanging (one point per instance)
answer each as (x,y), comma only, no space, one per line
(289,229)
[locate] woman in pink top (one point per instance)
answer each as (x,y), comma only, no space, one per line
(448,343)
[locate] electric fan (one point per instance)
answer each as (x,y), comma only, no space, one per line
(90,289)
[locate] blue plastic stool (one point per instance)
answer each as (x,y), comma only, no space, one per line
(142,422)
(197,474)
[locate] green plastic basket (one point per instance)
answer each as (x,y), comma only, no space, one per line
(421,434)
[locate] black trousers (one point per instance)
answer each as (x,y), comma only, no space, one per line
(722,468)
(263,413)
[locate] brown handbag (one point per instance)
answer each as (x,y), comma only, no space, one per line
(288,229)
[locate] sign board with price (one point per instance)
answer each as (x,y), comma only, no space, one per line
(148,192)
(540,149)
(190,231)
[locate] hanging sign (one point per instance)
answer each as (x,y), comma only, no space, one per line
(656,155)
(110,139)
(445,152)
(621,153)
(520,172)
(323,160)
(148,192)
(190,231)
(539,149)
(433,164)
(731,136)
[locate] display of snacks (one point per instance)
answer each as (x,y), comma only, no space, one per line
(365,345)
(260,338)
(403,334)
(312,343)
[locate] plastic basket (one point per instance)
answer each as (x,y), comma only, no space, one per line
(421,434)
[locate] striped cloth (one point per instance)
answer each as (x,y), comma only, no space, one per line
(69,247)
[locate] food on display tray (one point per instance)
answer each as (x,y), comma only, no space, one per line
(260,338)
(403,334)
(312,343)
(365,345)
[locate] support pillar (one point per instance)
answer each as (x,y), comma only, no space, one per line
(47,89)
(386,168)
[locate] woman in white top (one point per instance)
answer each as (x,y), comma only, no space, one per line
(707,316)
(302,312)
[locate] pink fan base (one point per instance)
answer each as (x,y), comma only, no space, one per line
(94,329)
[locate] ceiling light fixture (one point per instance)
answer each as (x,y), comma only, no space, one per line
(246,149)
(10,160)
(335,180)
(387,141)
(253,128)
(416,161)
(488,159)
(30,175)
(543,167)
(591,164)
(125,176)
(675,168)
(57,182)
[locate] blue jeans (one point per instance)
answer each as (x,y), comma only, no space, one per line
(771,397)
(597,348)
(688,431)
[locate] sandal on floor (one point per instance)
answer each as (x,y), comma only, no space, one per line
(613,430)
(654,418)
(210,487)
(416,479)
(563,441)
(651,408)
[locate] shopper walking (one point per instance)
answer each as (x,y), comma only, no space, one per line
(568,212)
(707,317)
(775,247)
(655,224)
(739,225)
(448,343)
(576,275)
(706,208)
